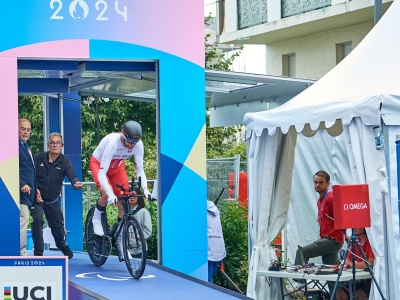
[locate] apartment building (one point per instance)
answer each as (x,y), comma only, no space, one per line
(303,38)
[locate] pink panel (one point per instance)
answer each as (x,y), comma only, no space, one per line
(57,49)
(8,108)
(174,27)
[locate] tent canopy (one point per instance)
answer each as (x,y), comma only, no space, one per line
(352,98)
(368,72)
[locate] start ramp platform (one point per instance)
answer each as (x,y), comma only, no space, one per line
(112,281)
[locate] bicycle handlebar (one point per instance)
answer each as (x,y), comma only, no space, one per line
(120,198)
(126,197)
(131,189)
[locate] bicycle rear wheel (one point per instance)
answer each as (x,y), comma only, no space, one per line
(94,243)
(135,252)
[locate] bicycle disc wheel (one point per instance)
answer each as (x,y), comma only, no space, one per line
(92,243)
(134,248)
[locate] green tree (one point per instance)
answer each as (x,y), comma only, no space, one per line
(108,117)
(221,141)
(111,116)
(234,226)
(31,108)
(214,57)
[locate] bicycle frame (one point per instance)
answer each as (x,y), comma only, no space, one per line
(133,242)
(125,206)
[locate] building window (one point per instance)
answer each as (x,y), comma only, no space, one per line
(342,50)
(289,65)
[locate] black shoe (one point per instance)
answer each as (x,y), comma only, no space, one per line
(38,254)
(67,252)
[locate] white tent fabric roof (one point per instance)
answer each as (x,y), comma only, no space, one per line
(372,69)
(360,92)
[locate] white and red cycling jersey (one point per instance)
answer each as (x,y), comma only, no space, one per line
(107,164)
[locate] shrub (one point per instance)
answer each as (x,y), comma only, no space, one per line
(235,229)
(152,240)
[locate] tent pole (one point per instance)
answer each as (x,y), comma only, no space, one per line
(398,170)
(377,11)
(388,262)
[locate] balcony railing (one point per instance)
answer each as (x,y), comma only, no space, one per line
(251,12)
(295,7)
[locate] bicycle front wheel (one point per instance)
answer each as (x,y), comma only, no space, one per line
(93,244)
(135,251)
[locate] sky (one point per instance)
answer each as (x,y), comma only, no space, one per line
(253,57)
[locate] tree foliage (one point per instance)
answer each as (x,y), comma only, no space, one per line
(234,225)
(226,141)
(215,58)
(31,108)
(221,141)
(111,116)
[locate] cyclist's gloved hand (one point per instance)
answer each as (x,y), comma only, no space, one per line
(112,200)
(147,194)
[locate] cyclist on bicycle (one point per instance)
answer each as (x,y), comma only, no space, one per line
(108,168)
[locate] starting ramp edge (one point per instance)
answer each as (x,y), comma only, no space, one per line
(112,281)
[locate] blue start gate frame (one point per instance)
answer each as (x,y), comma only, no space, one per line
(168,33)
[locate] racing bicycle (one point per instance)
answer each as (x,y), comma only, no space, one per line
(134,244)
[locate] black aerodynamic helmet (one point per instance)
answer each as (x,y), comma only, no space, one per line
(131,131)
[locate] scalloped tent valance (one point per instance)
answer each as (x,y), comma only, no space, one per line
(365,84)
(330,116)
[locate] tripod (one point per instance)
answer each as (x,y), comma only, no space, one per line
(353,243)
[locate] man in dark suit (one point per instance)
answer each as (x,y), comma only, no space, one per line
(27,181)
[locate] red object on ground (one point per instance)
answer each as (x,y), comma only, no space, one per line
(351,206)
(243,196)
(222,266)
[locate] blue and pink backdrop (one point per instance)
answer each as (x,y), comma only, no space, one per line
(170,33)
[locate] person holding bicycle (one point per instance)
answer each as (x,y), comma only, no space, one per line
(51,168)
(108,168)
(138,209)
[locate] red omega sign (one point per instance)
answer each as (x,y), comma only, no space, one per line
(351,206)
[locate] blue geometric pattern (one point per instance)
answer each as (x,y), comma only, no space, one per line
(9,222)
(168,181)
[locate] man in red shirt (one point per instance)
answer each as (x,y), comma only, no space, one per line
(331,239)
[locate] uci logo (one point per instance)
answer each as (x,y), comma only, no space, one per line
(27,292)
(79,10)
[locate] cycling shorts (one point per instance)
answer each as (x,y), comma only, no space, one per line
(116,175)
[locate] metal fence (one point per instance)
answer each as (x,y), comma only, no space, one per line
(90,195)
(223,175)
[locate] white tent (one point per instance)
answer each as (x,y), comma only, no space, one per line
(362,92)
